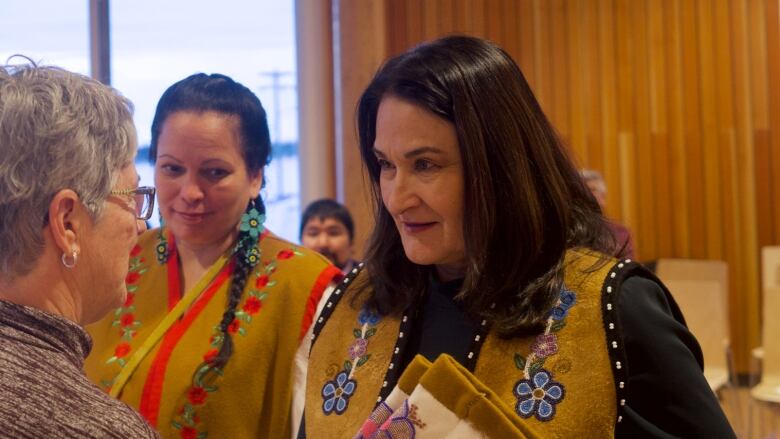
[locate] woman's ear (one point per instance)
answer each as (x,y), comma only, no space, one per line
(255,184)
(66,220)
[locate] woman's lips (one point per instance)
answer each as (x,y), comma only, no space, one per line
(413,227)
(191,217)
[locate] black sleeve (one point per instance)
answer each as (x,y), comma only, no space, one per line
(666,393)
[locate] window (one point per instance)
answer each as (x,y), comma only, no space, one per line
(57,34)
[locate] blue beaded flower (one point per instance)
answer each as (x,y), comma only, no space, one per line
(538,396)
(566,300)
(369,317)
(336,393)
(252,222)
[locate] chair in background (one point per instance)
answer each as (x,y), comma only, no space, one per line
(768,389)
(770,278)
(701,289)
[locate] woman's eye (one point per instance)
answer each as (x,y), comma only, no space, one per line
(216,173)
(384,164)
(423,165)
(171,169)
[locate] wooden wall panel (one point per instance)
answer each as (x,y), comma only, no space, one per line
(772,126)
(608,103)
(677,166)
(659,136)
(626,146)
(590,54)
(677,102)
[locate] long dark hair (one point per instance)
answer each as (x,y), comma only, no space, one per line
(525,203)
(219,93)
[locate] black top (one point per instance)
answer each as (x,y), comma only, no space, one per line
(440,325)
(43,390)
(667,393)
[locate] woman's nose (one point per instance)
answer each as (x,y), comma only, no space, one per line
(191,191)
(399,194)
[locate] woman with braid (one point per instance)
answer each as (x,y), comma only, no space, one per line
(217,305)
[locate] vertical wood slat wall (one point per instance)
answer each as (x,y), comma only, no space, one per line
(677,102)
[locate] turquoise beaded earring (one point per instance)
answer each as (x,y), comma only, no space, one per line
(251,228)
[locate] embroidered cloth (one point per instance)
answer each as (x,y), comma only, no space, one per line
(172,386)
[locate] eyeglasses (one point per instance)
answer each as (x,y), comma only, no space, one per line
(143,197)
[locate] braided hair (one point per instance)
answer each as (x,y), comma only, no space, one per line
(241,271)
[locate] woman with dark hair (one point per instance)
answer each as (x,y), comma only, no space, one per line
(489,259)
(217,305)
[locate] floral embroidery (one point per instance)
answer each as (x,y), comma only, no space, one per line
(537,393)
(538,396)
(561,309)
(187,421)
(358,348)
(366,317)
(336,392)
(121,351)
(252,305)
(545,345)
(124,317)
(285,254)
(262,281)
(197,395)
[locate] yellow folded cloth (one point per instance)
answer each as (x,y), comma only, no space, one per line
(443,400)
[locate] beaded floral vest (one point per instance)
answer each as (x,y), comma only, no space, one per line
(566,381)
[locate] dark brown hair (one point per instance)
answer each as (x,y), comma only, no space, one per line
(524,201)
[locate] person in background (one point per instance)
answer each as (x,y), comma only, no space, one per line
(327,228)
(70,212)
(218,305)
(487,303)
(598,188)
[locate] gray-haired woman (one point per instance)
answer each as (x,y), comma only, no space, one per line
(70,212)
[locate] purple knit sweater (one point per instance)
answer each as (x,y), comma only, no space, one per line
(43,390)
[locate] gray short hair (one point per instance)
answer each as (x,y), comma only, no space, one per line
(58,130)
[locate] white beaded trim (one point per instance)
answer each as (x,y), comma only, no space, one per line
(610,317)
